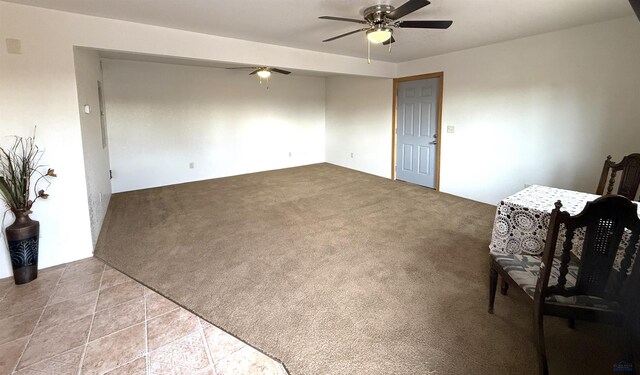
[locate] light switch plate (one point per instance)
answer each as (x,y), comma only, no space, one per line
(87,109)
(451,129)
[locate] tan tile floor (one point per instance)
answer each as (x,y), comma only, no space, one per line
(87,318)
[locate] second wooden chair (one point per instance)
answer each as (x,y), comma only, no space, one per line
(629,179)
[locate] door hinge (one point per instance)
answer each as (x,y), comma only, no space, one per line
(110,174)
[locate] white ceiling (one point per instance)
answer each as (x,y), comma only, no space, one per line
(295,23)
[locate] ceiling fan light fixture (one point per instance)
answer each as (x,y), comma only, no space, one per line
(379,34)
(263,73)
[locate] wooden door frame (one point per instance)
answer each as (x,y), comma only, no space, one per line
(394,125)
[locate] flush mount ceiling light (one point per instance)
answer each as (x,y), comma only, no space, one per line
(379,34)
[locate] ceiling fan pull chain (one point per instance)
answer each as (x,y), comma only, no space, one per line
(368,52)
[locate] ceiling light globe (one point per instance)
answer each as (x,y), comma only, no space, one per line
(379,35)
(264,73)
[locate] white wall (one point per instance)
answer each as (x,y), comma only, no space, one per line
(161,117)
(541,110)
(39,87)
(96,157)
(358,121)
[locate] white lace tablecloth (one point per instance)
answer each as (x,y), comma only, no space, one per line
(522,219)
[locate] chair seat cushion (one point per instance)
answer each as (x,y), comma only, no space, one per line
(524,270)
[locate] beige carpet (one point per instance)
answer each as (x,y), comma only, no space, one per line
(334,271)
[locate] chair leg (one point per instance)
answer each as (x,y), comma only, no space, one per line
(504,287)
(538,323)
(572,323)
(493,283)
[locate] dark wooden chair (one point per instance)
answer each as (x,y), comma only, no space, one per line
(629,181)
(594,287)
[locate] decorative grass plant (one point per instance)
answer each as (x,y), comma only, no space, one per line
(19,164)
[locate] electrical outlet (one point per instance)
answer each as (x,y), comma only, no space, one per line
(290,153)
(451,129)
(352,155)
(192,165)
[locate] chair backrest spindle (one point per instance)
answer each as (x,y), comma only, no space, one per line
(612,181)
(565,258)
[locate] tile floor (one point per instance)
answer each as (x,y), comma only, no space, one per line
(87,318)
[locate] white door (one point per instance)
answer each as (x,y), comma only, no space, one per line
(416,132)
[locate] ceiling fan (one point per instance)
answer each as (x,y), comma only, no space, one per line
(382,19)
(262,71)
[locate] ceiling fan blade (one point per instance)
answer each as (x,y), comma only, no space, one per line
(243,67)
(345,34)
(256,71)
(635,4)
(392,40)
(406,8)
(424,24)
(280,71)
(342,19)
